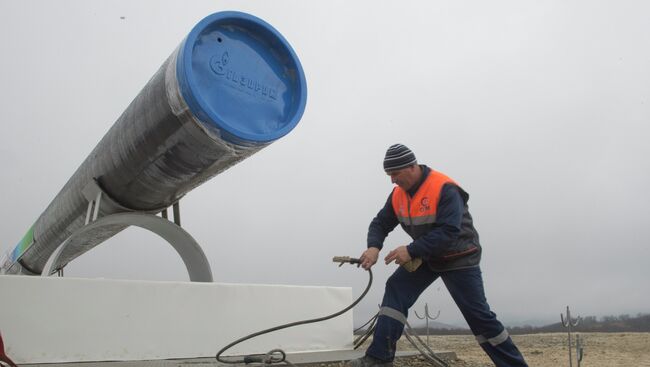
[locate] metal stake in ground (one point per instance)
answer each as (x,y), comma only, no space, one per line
(579,350)
(567,323)
(427,317)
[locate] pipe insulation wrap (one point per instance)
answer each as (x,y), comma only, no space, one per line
(232,87)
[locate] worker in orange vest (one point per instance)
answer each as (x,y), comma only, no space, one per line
(432,209)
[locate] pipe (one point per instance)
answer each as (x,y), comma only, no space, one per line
(233,86)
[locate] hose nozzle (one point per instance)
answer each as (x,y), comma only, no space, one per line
(346,259)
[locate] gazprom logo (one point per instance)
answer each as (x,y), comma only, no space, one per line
(220,66)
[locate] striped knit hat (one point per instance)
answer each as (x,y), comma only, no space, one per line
(398,156)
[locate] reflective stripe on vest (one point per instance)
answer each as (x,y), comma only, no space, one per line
(421,208)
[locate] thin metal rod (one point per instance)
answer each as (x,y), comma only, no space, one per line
(568,324)
(579,350)
(97,201)
(177,214)
(427,317)
(88,211)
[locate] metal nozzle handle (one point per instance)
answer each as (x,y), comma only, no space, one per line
(345,259)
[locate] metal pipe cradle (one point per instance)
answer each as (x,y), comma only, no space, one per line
(233,86)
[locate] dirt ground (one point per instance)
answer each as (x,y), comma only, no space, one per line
(551,350)
(542,350)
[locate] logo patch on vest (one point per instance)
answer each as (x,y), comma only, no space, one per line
(424,204)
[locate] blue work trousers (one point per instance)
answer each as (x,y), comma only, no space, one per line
(466,288)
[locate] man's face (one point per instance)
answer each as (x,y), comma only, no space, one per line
(405,178)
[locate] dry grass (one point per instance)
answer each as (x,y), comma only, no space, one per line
(543,350)
(551,350)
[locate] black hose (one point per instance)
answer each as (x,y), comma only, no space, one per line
(369,332)
(270,357)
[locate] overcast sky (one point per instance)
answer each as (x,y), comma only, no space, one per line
(539,109)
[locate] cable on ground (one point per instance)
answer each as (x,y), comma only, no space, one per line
(278,355)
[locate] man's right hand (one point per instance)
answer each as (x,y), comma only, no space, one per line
(369,257)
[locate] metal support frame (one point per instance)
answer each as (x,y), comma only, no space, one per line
(177,214)
(189,250)
(176,211)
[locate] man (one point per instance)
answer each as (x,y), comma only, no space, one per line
(432,209)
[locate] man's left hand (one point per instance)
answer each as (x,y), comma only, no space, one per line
(400,255)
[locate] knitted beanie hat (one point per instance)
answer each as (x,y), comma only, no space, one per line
(398,156)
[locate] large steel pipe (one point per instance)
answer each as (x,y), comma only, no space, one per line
(233,86)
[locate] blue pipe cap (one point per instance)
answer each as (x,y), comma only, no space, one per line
(239,75)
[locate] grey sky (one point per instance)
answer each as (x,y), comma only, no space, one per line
(539,109)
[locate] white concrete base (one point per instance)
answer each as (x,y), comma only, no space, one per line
(53,320)
(295,358)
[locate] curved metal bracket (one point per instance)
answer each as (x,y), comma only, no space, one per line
(195,261)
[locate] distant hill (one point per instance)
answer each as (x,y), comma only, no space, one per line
(439,325)
(606,324)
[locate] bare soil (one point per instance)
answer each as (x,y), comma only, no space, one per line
(550,350)
(540,350)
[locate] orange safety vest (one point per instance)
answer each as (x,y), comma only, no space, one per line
(417,215)
(420,210)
